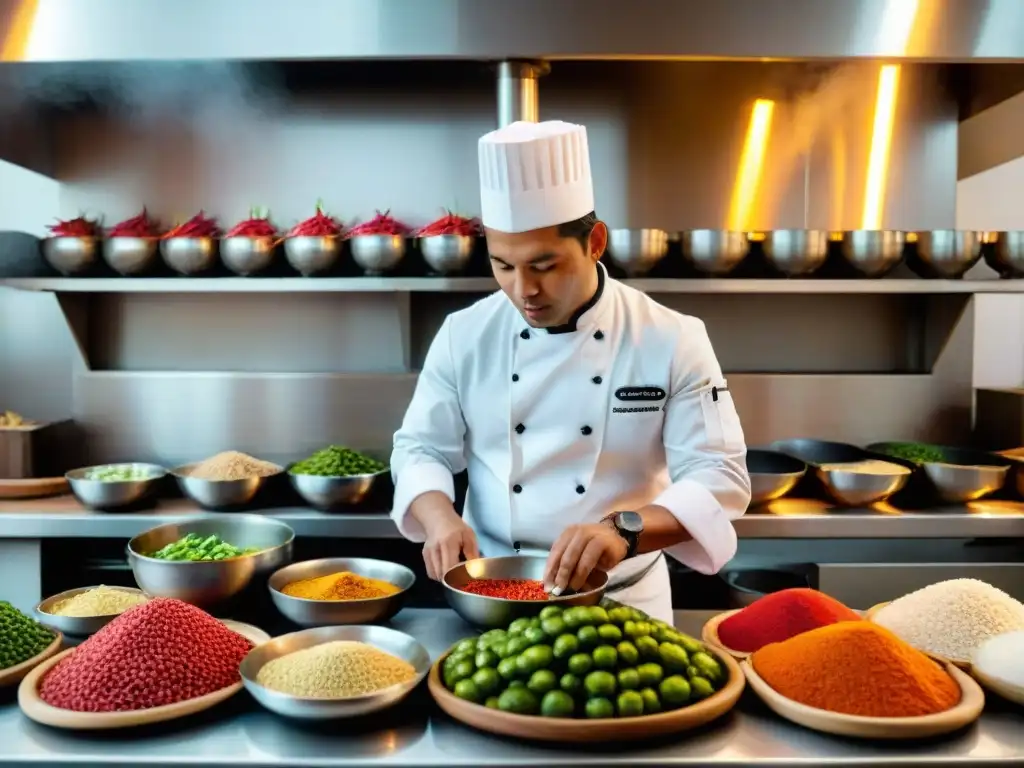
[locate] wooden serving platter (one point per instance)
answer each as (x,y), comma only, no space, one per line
(972,702)
(38,710)
(964,664)
(33,488)
(709,634)
(571,730)
(13,675)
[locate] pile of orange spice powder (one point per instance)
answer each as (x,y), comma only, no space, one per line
(857,668)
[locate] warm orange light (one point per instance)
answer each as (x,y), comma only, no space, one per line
(14,42)
(748,177)
(881,143)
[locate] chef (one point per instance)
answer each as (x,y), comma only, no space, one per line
(595,424)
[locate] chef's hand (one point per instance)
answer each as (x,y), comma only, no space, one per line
(579,550)
(447,537)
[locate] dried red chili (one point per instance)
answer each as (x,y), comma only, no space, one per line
(257,225)
(508,589)
(199,225)
(317,225)
(137,226)
(780,616)
(381,224)
(78,227)
(161,652)
(451,224)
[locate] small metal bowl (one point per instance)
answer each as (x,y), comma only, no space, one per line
(637,251)
(328,494)
(76,626)
(130,256)
(189,255)
(1005,252)
(858,489)
(322,613)
(209,583)
(247,255)
(311,256)
(772,474)
(947,253)
(112,494)
(378,254)
(874,253)
(796,252)
(715,251)
(447,254)
(388,640)
(496,612)
(71,255)
(218,494)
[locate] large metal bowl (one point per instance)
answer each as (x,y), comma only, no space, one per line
(947,253)
(108,494)
(796,252)
(447,254)
(321,613)
(129,256)
(715,251)
(71,255)
(388,640)
(496,612)
(209,583)
(189,255)
(637,251)
(312,255)
(329,494)
(1005,252)
(378,254)
(846,487)
(874,252)
(964,474)
(218,494)
(247,255)
(772,474)
(76,626)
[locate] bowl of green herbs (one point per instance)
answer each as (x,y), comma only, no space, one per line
(336,477)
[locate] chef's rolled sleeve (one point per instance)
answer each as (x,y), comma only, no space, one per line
(429,448)
(706,455)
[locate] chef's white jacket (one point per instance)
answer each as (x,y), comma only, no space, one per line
(623,408)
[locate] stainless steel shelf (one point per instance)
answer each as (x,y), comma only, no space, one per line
(485,284)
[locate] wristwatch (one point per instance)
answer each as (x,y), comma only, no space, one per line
(630,526)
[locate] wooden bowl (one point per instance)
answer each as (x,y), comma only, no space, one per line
(36,709)
(709,634)
(16,674)
(569,730)
(964,664)
(972,702)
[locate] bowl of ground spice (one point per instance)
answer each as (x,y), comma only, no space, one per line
(229,479)
(858,679)
(24,644)
(319,593)
(84,611)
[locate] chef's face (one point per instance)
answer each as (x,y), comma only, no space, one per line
(547,276)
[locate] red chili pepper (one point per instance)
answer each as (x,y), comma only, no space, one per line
(79,227)
(198,226)
(137,226)
(507,589)
(317,225)
(451,224)
(257,225)
(381,224)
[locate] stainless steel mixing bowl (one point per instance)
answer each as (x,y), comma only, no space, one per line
(312,255)
(1006,252)
(447,254)
(247,255)
(329,494)
(377,254)
(388,640)
(112,494)
(796,252)
(873,252)
(322,613)
(715,251)
(858,489)
(71,255)
(130,256)
(948,253)
(218,494)
(964,474)
(76,626)
(189,255)
(637,251)
(772,474)
(209,583)
(496,612)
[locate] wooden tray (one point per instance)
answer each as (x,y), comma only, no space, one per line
(568,730)
(709,634)
(15,674)
(964,664)
(972,702)
(36,709)
(33,488)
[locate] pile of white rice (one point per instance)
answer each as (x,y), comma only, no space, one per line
(952,618)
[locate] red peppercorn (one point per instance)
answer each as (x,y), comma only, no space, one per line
(508,589)
(160,652)
(780,616)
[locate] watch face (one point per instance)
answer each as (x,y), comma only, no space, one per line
(630,521)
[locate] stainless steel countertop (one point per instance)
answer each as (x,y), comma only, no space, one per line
(63,517)
(417,734)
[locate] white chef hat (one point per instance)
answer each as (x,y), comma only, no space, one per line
(534,175)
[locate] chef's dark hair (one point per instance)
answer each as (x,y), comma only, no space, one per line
(580,228)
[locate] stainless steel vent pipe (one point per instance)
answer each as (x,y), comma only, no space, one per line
(518,97)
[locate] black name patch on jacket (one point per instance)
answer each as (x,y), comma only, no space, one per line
(640,394)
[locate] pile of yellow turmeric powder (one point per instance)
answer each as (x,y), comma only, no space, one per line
(340,586)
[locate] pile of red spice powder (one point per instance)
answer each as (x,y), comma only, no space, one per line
(780,616)
(507,589)
(161,652)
